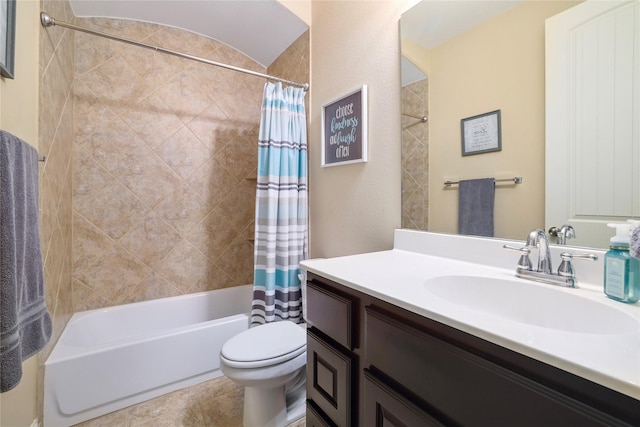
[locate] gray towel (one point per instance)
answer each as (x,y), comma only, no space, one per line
(635,243)
(25,324)
(475,206)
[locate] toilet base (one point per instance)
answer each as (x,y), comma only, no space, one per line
(267,407)
(296,411)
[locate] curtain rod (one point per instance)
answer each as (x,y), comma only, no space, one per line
(422,119)
(48,21)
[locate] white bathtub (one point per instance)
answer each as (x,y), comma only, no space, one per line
(108,359)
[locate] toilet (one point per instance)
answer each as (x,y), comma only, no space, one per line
(269,361)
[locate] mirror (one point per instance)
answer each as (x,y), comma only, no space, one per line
(466,58)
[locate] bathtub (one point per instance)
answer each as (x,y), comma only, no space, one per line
(108,359)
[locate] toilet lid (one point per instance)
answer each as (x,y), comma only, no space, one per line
(266,344)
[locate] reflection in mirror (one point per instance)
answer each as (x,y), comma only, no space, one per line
(415,148)
(593,117)
(476,57)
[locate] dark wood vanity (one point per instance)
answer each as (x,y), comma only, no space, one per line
(371,363)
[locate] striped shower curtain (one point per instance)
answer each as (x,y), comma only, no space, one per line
(281,206)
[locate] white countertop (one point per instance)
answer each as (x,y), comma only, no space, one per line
(398,276)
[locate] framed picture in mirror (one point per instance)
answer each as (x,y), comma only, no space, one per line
(7,37)
(481,133)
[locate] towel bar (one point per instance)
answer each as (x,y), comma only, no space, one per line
(515,180)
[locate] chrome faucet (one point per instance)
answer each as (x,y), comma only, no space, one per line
(563,233)
(565,275)
(537,238)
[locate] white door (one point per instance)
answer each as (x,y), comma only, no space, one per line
(593,118)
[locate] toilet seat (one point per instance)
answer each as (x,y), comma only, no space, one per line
(265,345)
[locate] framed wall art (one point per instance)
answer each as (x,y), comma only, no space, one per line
(481,133)
(344,129)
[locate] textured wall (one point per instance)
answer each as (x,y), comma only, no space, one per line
(293,63)
(56,143)
(162,150)
(355,208)
(415,156)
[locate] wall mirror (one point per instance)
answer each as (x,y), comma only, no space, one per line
(465,58)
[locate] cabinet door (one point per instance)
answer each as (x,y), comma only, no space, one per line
(314,417)
(384,406)
(330,376)
(464,387)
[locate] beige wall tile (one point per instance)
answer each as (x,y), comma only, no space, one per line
(114,209)
(112,275)
(152,120)
(213,181)
(184,265)
(183,209)
(183,152)
(55,140)
(415,157)
(152,286)
(162,147)
(150,240)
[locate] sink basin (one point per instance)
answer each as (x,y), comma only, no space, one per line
(533,304)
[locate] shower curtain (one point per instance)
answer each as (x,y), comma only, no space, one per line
(281,206)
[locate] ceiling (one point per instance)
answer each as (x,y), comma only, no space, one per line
(432,22)
(260,29)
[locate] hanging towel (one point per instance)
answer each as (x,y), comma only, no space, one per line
(25,324)
(635,243)
(475,206)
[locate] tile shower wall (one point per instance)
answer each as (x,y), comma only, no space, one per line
(55,141)
(415,157)
(163,149)
(293,63)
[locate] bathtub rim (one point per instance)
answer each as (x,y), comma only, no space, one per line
(60,353)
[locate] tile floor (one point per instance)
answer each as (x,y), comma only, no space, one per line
(215,403)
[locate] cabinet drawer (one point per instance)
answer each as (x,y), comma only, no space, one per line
(333,314)
(330,375)
(466,388)
(385,406)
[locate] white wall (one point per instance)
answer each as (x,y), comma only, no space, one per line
(355,208)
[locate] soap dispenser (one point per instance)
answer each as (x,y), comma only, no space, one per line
(634,249)
(621,271)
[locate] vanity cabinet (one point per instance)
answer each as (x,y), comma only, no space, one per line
(371,363)
(331,359)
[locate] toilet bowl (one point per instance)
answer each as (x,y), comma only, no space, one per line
(269,361)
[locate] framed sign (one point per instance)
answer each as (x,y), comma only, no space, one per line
(481,133)
(7,37)
(344,129)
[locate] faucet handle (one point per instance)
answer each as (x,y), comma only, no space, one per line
(524,262)
(563,233)
(566,268)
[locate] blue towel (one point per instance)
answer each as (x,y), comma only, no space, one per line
(475,206)
(25,324)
